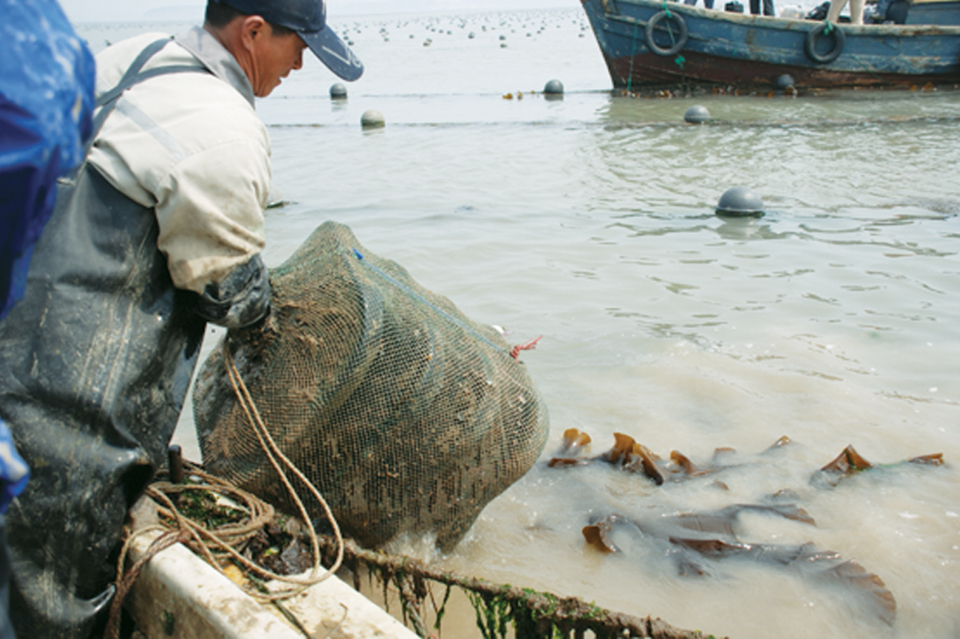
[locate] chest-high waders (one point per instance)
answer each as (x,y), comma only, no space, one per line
(94,367)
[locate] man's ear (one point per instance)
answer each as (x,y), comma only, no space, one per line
(252,28)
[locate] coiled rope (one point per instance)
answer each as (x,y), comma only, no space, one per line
(226,539)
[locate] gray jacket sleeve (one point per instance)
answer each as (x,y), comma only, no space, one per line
(240,299)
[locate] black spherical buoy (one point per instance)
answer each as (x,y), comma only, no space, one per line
(553,87)
(697,114)
(784,82)
(740,201)
(338,91)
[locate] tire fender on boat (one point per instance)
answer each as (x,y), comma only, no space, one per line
(825,29)
(679,42)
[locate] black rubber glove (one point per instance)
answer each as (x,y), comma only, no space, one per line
(240,299)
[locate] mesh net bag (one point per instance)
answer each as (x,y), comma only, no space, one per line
(406,415)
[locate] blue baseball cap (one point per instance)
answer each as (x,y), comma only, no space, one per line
(309,19)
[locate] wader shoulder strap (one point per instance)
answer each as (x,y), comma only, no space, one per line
(133,76)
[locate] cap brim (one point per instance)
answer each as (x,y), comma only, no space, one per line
(334,53)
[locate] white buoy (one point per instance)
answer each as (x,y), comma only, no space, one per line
(338,91)
(372,119)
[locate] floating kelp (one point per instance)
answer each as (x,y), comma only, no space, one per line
(631,456)
(849,462)
(679,527)
(696,540)
(574,442)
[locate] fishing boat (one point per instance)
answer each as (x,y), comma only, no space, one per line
(661,45)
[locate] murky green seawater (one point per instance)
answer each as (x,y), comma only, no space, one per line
(589,220)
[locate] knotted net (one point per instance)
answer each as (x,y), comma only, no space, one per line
(408,416)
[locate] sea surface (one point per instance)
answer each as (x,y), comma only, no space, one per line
(834,319)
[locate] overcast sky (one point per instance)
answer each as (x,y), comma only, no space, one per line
(192,10)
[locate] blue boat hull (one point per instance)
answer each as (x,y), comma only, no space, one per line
(728,50)
(941,12)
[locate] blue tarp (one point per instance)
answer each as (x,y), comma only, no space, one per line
(46,102)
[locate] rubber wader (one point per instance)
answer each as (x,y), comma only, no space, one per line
(96,362)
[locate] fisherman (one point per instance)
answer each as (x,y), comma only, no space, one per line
(46,108)
(856,11)
(159,231)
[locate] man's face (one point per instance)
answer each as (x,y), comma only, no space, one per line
(274,57)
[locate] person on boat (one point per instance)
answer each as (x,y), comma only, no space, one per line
(886,11)
(46,108)
(856,11)
(159,231)
(767,6)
